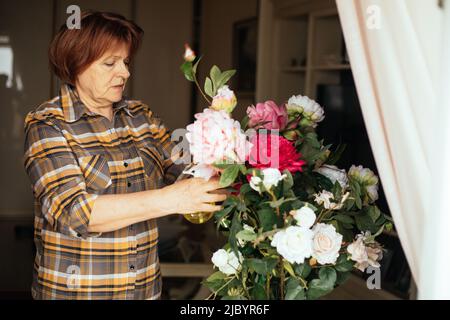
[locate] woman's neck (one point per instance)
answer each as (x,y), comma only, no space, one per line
(94,106)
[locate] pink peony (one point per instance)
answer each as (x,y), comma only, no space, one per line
(215,137)
(274,151)
(267,115)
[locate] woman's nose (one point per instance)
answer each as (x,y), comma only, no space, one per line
(123,71)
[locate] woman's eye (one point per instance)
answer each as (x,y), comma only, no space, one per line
(109,64)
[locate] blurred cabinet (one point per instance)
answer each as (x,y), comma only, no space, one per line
(303,47)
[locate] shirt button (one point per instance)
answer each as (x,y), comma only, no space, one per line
(131,228)
(131,267)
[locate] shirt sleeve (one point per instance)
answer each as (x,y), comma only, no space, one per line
(173,151)
(57,181)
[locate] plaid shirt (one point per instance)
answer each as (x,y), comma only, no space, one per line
(72,156)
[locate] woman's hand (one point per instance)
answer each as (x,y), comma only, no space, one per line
(193,195)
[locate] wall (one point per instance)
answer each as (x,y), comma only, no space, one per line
(217,22)
(28,27)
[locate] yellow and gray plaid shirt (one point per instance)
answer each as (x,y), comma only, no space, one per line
(72,156)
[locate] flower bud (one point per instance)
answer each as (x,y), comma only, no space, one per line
(189,54)
(224,100)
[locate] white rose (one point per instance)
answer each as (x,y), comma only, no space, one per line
(325,198)
(307,107)
(294,243)
(220,258)
(305,217)
(334,174)
(272,177)
(255,182)
(326,243)
(227,262)
(365,255)
(234,263)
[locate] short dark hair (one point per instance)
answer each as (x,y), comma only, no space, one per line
(73,50)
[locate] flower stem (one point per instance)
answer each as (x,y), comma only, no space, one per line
(281,279)
(218,290)
(201,91)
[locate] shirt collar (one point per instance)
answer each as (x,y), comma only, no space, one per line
(74,108)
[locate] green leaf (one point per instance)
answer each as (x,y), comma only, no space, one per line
(344,218)
(187,70)
(323,285)
(328,276)
(288,267)
(343,264)
(262,266)
(209,87)
(224,77)
(288,182)
(244,122)
(258,292)
(374,213)
(267,218)
(337,190)
(194,67)
(216,276)
(317,289)
(246,235)
(236,226)
(229,176)
(303,270)
(358,202)
(215,75)
(245,188)
(364,222)
(336,155)
(311,138)
(294,291)
(215,281)
(342,277)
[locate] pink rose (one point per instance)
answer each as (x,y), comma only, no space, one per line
(215,137)
(267,115)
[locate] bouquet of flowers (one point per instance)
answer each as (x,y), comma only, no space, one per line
(296,224)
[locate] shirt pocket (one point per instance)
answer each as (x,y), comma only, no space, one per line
(96,172)
(153,163)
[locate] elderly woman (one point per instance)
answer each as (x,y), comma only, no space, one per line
(102,170)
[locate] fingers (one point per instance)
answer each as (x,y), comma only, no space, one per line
(212,184)
(223,191)
(214,197)
(210,207)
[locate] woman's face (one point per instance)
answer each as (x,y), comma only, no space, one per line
(104,80)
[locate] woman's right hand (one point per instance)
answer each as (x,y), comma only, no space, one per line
(193,195)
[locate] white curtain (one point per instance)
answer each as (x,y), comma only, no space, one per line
(396,50)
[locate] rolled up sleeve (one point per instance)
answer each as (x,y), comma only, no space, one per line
(172,151)
(57,181)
